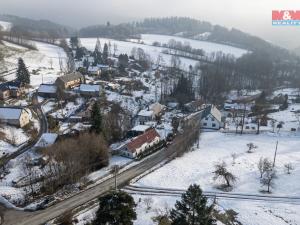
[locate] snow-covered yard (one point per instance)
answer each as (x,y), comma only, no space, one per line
(13,137)
(198,166)
(69,109)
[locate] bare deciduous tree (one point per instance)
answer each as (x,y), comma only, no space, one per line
(222,172)
(264,165)
(268,179)
(251,147)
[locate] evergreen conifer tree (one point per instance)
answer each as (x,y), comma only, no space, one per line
(23,75)
(115,208)
(105,53)
(192,209)
(96,119)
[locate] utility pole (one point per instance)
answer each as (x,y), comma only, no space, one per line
(115,170)
(275,154)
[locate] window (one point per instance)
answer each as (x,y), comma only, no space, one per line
(206,118)
(247,127)
(204,124)
(213,125)
(212,119)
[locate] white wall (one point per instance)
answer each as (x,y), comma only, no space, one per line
(210,123)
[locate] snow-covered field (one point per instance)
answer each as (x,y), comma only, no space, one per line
(198,166)
(249,213)
(208,47)
(126,47)
(45,61)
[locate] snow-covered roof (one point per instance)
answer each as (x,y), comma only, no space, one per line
(89,88)
(146,113)
(216,113)
(141,128)
(101,66)
(47,139)
(47,88)
(8,113)
(93,69)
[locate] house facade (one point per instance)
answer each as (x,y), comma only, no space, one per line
(212,118)
(18,117)
(140,144)
(11,89)
(70,80)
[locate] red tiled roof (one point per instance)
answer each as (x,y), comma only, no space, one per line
(147,137)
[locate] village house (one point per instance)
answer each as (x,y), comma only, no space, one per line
(14,116)
(12,89)
(47,91)
(145,116)
(89,90)
(140,144)
(94,70)
(211,118)
(70,80)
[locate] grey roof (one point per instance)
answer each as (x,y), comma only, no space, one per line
(47,139)
(89,88)
(47,88)
(71,76)
(9,113)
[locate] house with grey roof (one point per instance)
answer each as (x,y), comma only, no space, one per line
(14,116)
(89,90)
(47,90)
(70,80)
(211,118)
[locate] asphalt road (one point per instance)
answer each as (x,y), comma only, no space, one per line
(12,217)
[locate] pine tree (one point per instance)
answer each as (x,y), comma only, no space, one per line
(192,209)
(23,75)
(105,53)
(115,208)
(96,119)
(74,42)
(97,53)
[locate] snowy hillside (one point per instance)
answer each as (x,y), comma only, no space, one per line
(44,64)
(126,47)
(208,47)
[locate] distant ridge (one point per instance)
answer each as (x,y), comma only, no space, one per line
(34,28)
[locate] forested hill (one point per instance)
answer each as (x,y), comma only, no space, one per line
(185,27)
(36,28)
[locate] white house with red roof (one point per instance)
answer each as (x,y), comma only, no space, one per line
(140,144)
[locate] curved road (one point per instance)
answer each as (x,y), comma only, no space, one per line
(12,217)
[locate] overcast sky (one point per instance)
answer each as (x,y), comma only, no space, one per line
(252,16)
